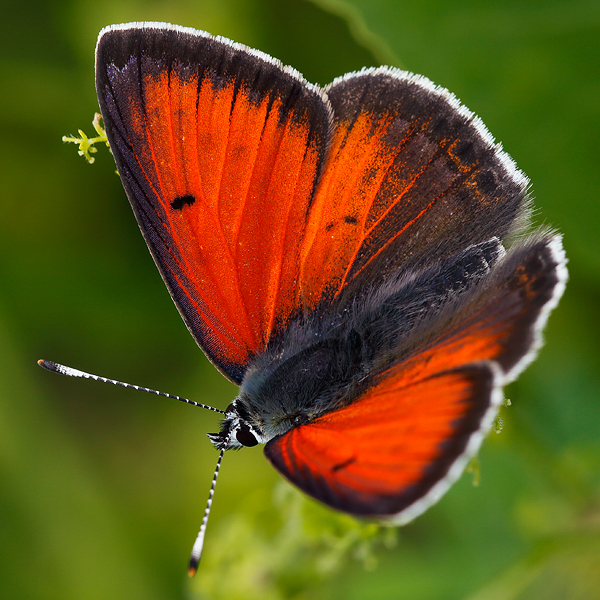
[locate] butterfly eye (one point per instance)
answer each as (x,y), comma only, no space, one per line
(244,436)
(230,408)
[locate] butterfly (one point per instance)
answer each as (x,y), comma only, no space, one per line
(356,258)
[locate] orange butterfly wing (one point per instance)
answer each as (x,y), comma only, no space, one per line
(379,456)
(412,177)
(219,151)
(399,446)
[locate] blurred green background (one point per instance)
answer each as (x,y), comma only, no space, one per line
(102,489)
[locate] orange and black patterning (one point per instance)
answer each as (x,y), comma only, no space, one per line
(352,257)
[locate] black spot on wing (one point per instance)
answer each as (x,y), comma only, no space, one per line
(182,201)
(344,464)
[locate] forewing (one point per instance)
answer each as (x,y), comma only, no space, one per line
(412,177)
(407,437)
(403,441)
(219,148)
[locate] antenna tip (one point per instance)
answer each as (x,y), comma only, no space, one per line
(46,364)
(193,567)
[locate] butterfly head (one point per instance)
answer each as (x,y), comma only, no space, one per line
(236,429)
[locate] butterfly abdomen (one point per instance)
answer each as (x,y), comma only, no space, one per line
(317,379)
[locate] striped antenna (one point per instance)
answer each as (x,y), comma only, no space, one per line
(199,543)
(70,372)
